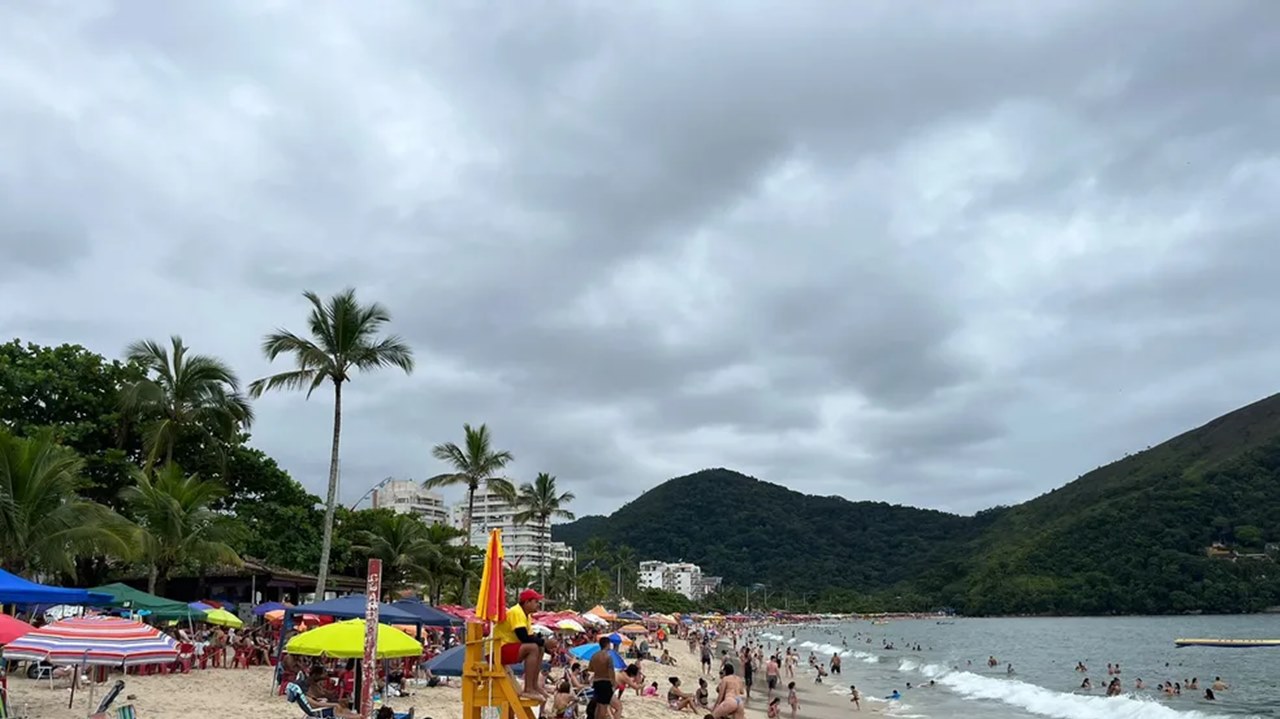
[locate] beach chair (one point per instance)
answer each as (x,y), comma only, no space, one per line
(110,698)
(294,694)
(124,712)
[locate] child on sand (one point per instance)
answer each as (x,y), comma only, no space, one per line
(774,709)
(856,697)
(793,699)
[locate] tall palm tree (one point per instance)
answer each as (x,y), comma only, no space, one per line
(406,548)
(473,464)
(44,524)
(539,502)
(174,523)
(625,569)
(344,338)
(181,393)
(444,565)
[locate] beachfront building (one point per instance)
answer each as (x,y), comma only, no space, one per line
(405,496)
(521,543)
(679,577)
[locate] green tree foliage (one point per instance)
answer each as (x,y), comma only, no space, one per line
(183,394)
(75,394)
(344,340)
(1130,537)
(658,600)
(405,546)
(174,522)
(44,523)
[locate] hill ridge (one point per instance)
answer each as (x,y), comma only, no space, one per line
(1088,546)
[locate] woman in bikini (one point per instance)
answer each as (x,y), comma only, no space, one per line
(731,697)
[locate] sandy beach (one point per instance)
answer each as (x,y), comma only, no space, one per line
(247,693)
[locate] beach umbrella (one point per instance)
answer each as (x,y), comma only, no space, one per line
(104,641)
(570,625)
(616,638)
(491,603)
(449,663)
(543,629)
(223,618)
(201,606)
(594,620)
(629,616)
(345,640)
(273,615)
(11,629)
(586,651)
(265,607)
(600,612)
(632,629)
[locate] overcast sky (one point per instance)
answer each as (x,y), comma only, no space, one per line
(941,254)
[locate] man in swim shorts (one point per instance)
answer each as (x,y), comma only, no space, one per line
(602,675)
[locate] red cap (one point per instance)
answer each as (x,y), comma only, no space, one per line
(529,595)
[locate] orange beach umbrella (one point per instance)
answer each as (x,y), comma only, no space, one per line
(491,604)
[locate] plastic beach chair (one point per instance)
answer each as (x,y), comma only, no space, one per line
(110,698)
(294,694)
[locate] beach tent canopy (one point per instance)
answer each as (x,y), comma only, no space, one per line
(600,612)
(125,596)
(428,615)
(629,616)
(449,663)
(352,607)
(16,590)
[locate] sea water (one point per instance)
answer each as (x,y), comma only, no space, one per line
(1044,653)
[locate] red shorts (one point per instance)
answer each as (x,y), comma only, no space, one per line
(510,653)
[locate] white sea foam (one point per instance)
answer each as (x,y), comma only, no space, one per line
(1047,702)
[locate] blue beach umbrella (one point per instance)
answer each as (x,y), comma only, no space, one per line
(586,651)
(200,607)
(449,663)
(616,638)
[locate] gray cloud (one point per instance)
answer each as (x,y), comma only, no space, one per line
(940,255)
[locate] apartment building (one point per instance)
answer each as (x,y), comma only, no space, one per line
(521,543)
(679,577)
(405,496)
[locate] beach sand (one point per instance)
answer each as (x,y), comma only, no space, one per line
(246,694)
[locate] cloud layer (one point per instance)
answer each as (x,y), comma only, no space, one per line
(949,256)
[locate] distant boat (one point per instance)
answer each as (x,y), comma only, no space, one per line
(1230,643)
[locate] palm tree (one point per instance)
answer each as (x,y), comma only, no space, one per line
(406,548)
(174,523)
(181,393)
(518,578)
(540,502)
(559,582)
(597,552)
(344,337)
(444,565)
(473,464)
(44,525)
(625,569)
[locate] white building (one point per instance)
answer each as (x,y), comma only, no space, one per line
(522,543)
(405,496)
(679,577)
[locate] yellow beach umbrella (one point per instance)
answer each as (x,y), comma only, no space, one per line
(345,640)
(223,618)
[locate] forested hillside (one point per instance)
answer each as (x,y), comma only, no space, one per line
(1131,537)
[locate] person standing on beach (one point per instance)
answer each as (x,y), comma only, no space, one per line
(602,676)
(771,674)
(793,699)
(835,663)
(748,670)
(856,697)
(706,656)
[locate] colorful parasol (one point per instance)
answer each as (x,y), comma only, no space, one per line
(345,640)
(570,625)
(109,641)
(491,604)
(223,618)
(632,629)
(11,629)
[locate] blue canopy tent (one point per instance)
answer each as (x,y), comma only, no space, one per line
(349,607)
(630,616)
(16,590)
(428,615)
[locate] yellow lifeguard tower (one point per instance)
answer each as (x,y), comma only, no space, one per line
(489,685)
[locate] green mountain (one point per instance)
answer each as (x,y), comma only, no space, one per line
(1135,536)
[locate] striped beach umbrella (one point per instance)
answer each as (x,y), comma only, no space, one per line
(104,641)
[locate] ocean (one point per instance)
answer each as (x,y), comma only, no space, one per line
(1044,652)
